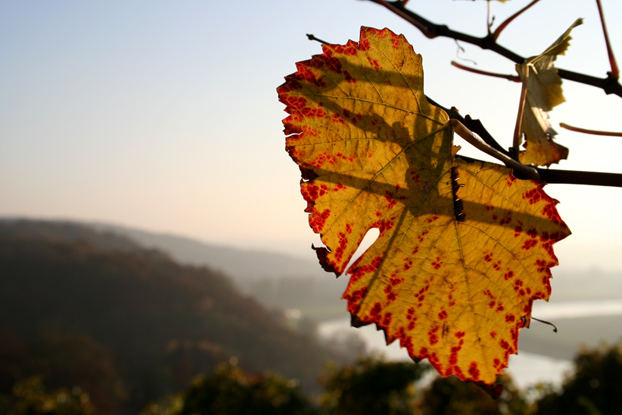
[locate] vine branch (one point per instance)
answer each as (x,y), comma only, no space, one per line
(474,132)
(609,85)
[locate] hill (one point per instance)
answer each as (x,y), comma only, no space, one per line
(128,324)
(275,279)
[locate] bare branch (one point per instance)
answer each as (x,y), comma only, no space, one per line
(570,176)
(581,177)
(609,85)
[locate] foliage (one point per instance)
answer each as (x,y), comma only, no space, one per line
(371,386)
(464,247)
(231,391)
(29,397)
(594,388)
(450,396)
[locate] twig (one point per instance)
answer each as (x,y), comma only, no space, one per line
(609,85)
(462,131)
(513,78)
(488,21)
(586,131)
(509,20)
(615,73)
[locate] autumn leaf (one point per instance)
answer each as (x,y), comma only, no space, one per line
(544,91)
(464,247)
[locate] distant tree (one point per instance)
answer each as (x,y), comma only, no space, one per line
(231,391)
(169,405)
(29,397)
(66,359)
(450,396)
(371,386)
(594,389)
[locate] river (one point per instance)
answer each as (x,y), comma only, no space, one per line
(525,368)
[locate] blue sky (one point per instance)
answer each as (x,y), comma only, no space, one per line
(164,115)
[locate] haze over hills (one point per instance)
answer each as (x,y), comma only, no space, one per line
(249,267)
(241,264)
(276,279)
(285,281)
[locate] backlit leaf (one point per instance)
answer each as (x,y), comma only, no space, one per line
(464,247)
(544,91)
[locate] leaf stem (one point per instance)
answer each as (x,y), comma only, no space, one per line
(311,36)
(474,125)
(518,127)
(545,322)
(475,141)
(586,131)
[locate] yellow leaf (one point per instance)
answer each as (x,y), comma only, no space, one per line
(544,91)
(464,247)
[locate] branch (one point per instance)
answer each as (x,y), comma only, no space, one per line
(570,176)
(581,177)
(545,174)
(432,30)
(467,126)
(609,85)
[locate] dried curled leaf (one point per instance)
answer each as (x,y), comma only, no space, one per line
(464,247)
(544,91)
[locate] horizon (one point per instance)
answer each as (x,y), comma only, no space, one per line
(293,254)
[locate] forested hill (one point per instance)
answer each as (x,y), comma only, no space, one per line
(92,309)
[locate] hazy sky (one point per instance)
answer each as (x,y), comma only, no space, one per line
(164,115)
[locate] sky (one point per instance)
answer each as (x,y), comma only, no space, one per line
(164,115)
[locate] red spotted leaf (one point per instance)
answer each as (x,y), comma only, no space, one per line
(464,247)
